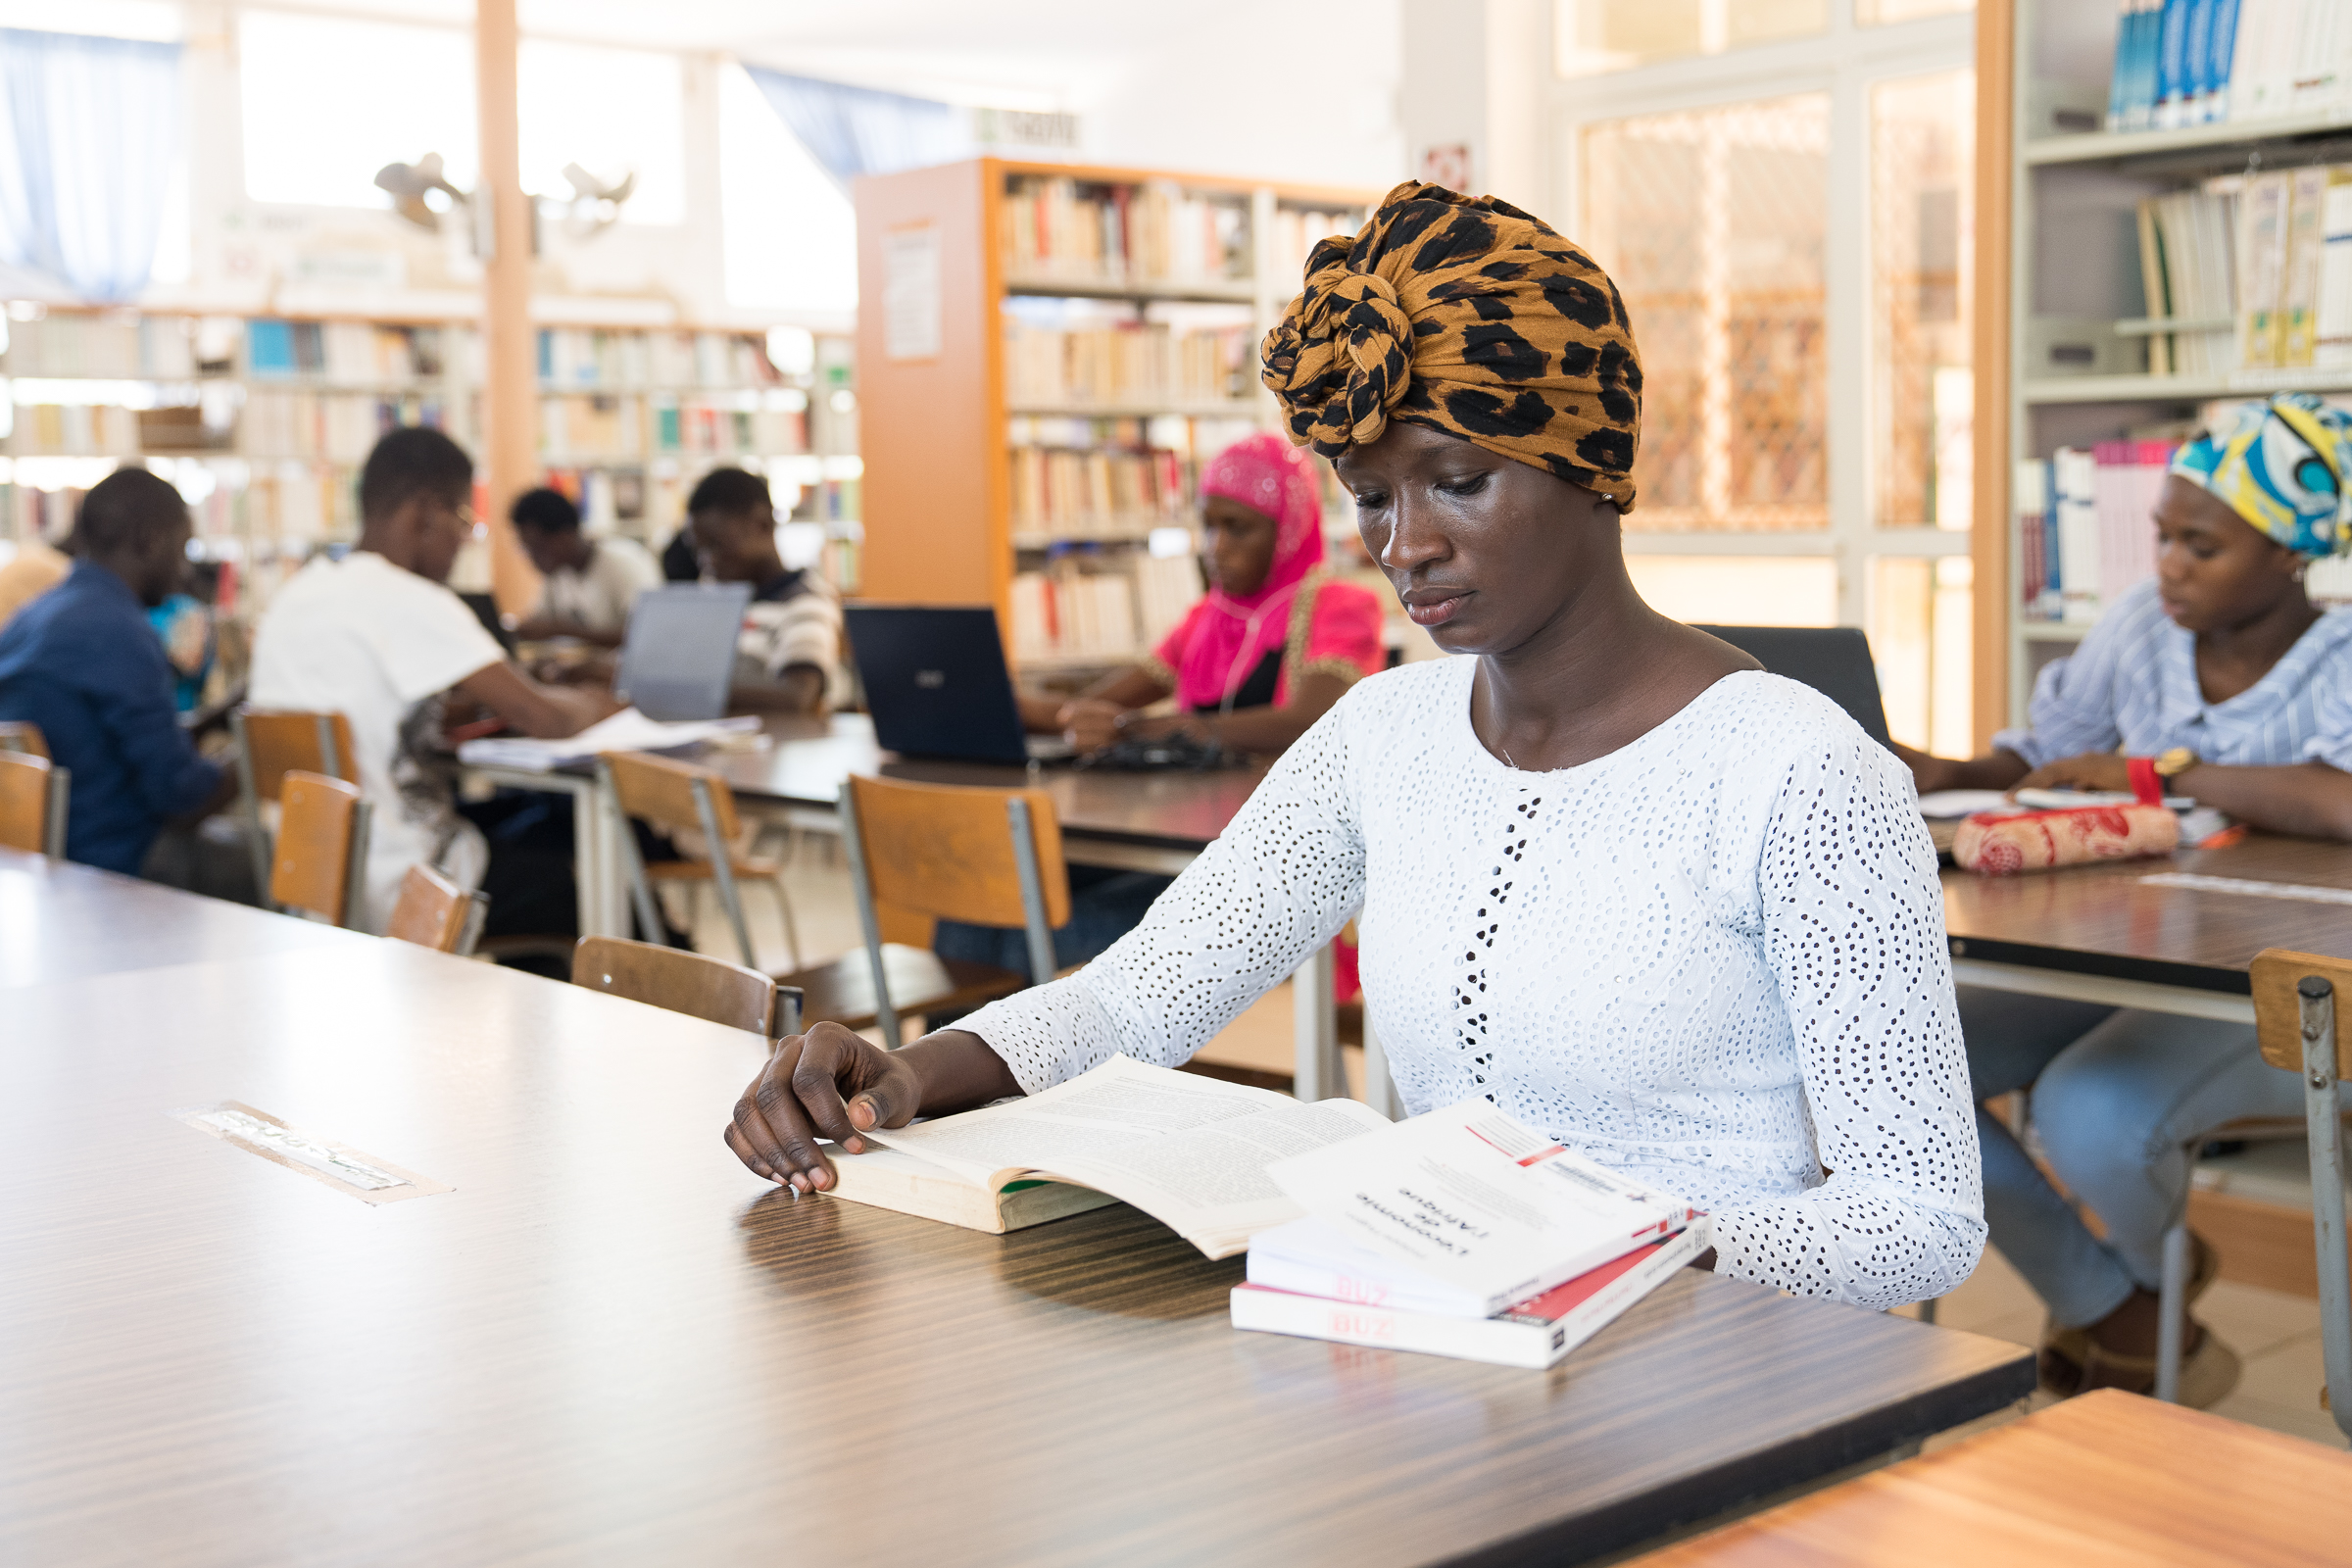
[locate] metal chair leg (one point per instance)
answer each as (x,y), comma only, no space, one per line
(2172,1312)
(1927,1309)
(722,874)
(2315,999)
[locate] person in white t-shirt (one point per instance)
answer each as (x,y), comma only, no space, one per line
(378,637)
(789,657)
(590,584)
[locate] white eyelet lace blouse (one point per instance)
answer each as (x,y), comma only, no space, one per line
(1713,958)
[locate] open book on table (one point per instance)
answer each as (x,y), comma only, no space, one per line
(1190,1152)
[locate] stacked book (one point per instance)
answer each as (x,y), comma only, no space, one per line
(2087,526)
(1461,1233)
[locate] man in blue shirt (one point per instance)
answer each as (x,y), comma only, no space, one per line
(82,662)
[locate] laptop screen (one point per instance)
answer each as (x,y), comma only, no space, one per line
(936,682)
(680,659)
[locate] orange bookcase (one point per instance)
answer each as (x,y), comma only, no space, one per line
(1044,351)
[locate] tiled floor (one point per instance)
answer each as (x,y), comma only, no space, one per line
(2277,1334)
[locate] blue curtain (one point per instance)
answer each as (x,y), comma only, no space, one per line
(87,137)
(862,130)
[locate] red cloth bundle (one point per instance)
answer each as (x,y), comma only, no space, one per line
(1993,845)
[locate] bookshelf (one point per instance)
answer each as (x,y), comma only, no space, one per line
(262,422)
(1046,354)
(2066,239)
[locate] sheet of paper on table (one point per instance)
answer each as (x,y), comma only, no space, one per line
(625,731)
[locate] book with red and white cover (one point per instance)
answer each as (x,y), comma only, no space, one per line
(1477,1201)
(1535,1334)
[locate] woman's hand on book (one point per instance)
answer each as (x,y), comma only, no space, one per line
(832,1084)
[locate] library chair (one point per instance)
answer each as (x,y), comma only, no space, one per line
(318,867)
(2294,1016)
(32,804)
(680,796)
(988,857)
(25,739)
(434,912)
(685,982)
(269,744)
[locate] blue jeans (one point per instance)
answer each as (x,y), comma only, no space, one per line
(1105,906)
(2117,1096)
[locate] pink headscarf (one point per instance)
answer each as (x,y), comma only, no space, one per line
(1231,633)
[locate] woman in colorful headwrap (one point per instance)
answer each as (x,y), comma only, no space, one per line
(2220,677)
(1677,913)
(1273,645)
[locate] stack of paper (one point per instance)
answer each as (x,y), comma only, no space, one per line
(625,731)
(1461,1233)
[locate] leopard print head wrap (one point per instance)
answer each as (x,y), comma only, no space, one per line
(1464,315)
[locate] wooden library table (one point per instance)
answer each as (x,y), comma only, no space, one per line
(2129,933)
(608,1343)
(59,920)
(2107,1479)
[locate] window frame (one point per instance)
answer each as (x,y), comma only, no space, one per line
(1845,62)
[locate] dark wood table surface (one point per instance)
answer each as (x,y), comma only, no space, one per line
(59,920)
(611,1344)
(807,759)
(2106,920)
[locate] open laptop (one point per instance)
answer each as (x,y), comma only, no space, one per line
(1835,660)
(679,657)
(936,685)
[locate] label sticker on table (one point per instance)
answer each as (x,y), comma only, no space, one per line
(2248,888)
(338,1165)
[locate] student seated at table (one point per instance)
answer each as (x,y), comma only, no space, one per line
(2222,674)
(378,637)
(1273,644)
(789,659)
(1677,913)
(81,662)
(589,585)
(1259,659)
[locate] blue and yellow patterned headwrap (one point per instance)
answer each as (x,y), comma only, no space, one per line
(2283,468)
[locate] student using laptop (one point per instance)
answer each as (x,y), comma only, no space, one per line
(789,658)
(378,637)
(588,585)
(1274,643)
(2221,677)
(1677,913)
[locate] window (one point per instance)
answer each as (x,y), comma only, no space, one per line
(315,135)
(1780,189)
(789,236)
(1712,223)
(1594,36)
(319,125)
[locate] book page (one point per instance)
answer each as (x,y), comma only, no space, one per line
(1190,1152)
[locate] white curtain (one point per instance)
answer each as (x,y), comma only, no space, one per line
(863,130)
(89,133)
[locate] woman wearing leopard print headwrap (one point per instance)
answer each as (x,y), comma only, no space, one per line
(1678,913)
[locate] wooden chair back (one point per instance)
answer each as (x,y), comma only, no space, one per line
(680,981)
(2279,1015)
(947,851)
(273,743)
(16,735)
(322,850)
(660,789)
(32,804)
(431,911)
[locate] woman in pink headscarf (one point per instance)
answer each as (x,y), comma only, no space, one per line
(1273,645)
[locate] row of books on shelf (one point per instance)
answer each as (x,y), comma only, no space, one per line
(625,426)
(154,347)
(2085,527)
(1059,228)
(353,351)
(2181,63)
(1137,362)
(1116,613)
(583,357)
(2261,265)
(1096,495)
